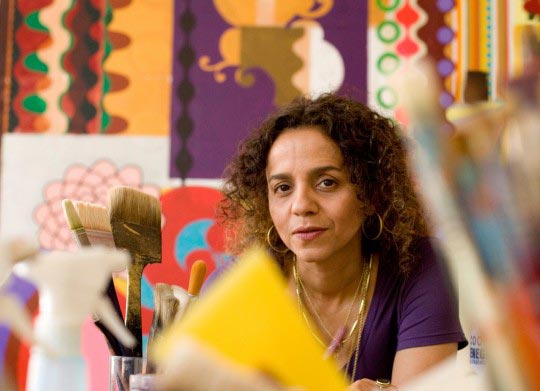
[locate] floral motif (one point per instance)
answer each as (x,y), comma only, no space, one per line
(81,183)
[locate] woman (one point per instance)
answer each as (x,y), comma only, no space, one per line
(324,184)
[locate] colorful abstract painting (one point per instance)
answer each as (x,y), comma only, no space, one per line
(157,95)
(89,67)
(235,61)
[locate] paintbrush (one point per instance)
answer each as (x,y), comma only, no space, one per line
(431,163)
(135,219)
(81,215)
(196,280)
(95,220)
(165,307)
(75,224)
(196,277)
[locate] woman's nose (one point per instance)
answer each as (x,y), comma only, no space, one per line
(304,202)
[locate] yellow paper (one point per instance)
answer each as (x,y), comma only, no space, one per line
(248,317)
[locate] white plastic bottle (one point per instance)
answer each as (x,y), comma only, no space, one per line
(70,287)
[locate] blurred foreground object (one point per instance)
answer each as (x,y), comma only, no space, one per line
(196,367)
(12,311)
(483,215)
(71,286)
(248,317)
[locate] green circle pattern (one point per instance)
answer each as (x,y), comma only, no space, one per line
(394,26)
(387,96)
(387,104)
(386,58)
(391,7)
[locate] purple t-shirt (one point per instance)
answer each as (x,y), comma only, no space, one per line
(419,310)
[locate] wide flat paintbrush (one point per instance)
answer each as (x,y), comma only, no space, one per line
(79,216)
(95,220)
(165,308)
(135,219)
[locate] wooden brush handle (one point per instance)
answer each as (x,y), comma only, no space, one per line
(196,278)
(133,303)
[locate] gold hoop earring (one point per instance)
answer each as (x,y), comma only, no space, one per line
(269,242)
(379,233)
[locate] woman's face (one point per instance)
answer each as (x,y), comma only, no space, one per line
(311,200)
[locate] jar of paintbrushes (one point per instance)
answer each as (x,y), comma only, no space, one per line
(171,303)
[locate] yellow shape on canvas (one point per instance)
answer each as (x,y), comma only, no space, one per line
(248,317)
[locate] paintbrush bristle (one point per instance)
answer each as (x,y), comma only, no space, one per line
(72,216)
(93,216)
(165,307)
(196,278)
(127,204)
(161,290)
(169,308)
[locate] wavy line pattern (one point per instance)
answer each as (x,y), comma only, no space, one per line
(52,17)
(139,66)
(413,19)
(114,82)
(105,124)
(28,75)
(13,121)
(94,94)
(75,103)
(429,33)
(185,93)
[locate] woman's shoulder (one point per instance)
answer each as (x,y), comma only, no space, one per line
(429,268)
(430,272)
(425,250)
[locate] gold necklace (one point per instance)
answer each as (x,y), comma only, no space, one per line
(332,337)
(366,277)
(364,283)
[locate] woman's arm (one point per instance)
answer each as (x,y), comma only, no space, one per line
(409,363)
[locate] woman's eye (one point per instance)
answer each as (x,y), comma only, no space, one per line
(327,183)
(281,188)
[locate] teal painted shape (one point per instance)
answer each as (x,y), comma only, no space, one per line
(191,238)
(147,293)
(144,344)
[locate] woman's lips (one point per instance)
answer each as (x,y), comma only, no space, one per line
(308,234)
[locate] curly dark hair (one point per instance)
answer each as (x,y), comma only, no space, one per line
(373,152)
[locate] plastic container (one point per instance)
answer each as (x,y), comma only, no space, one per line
(143,382)
(121,368)
(70,287)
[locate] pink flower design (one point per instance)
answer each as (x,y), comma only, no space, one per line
(81,183)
